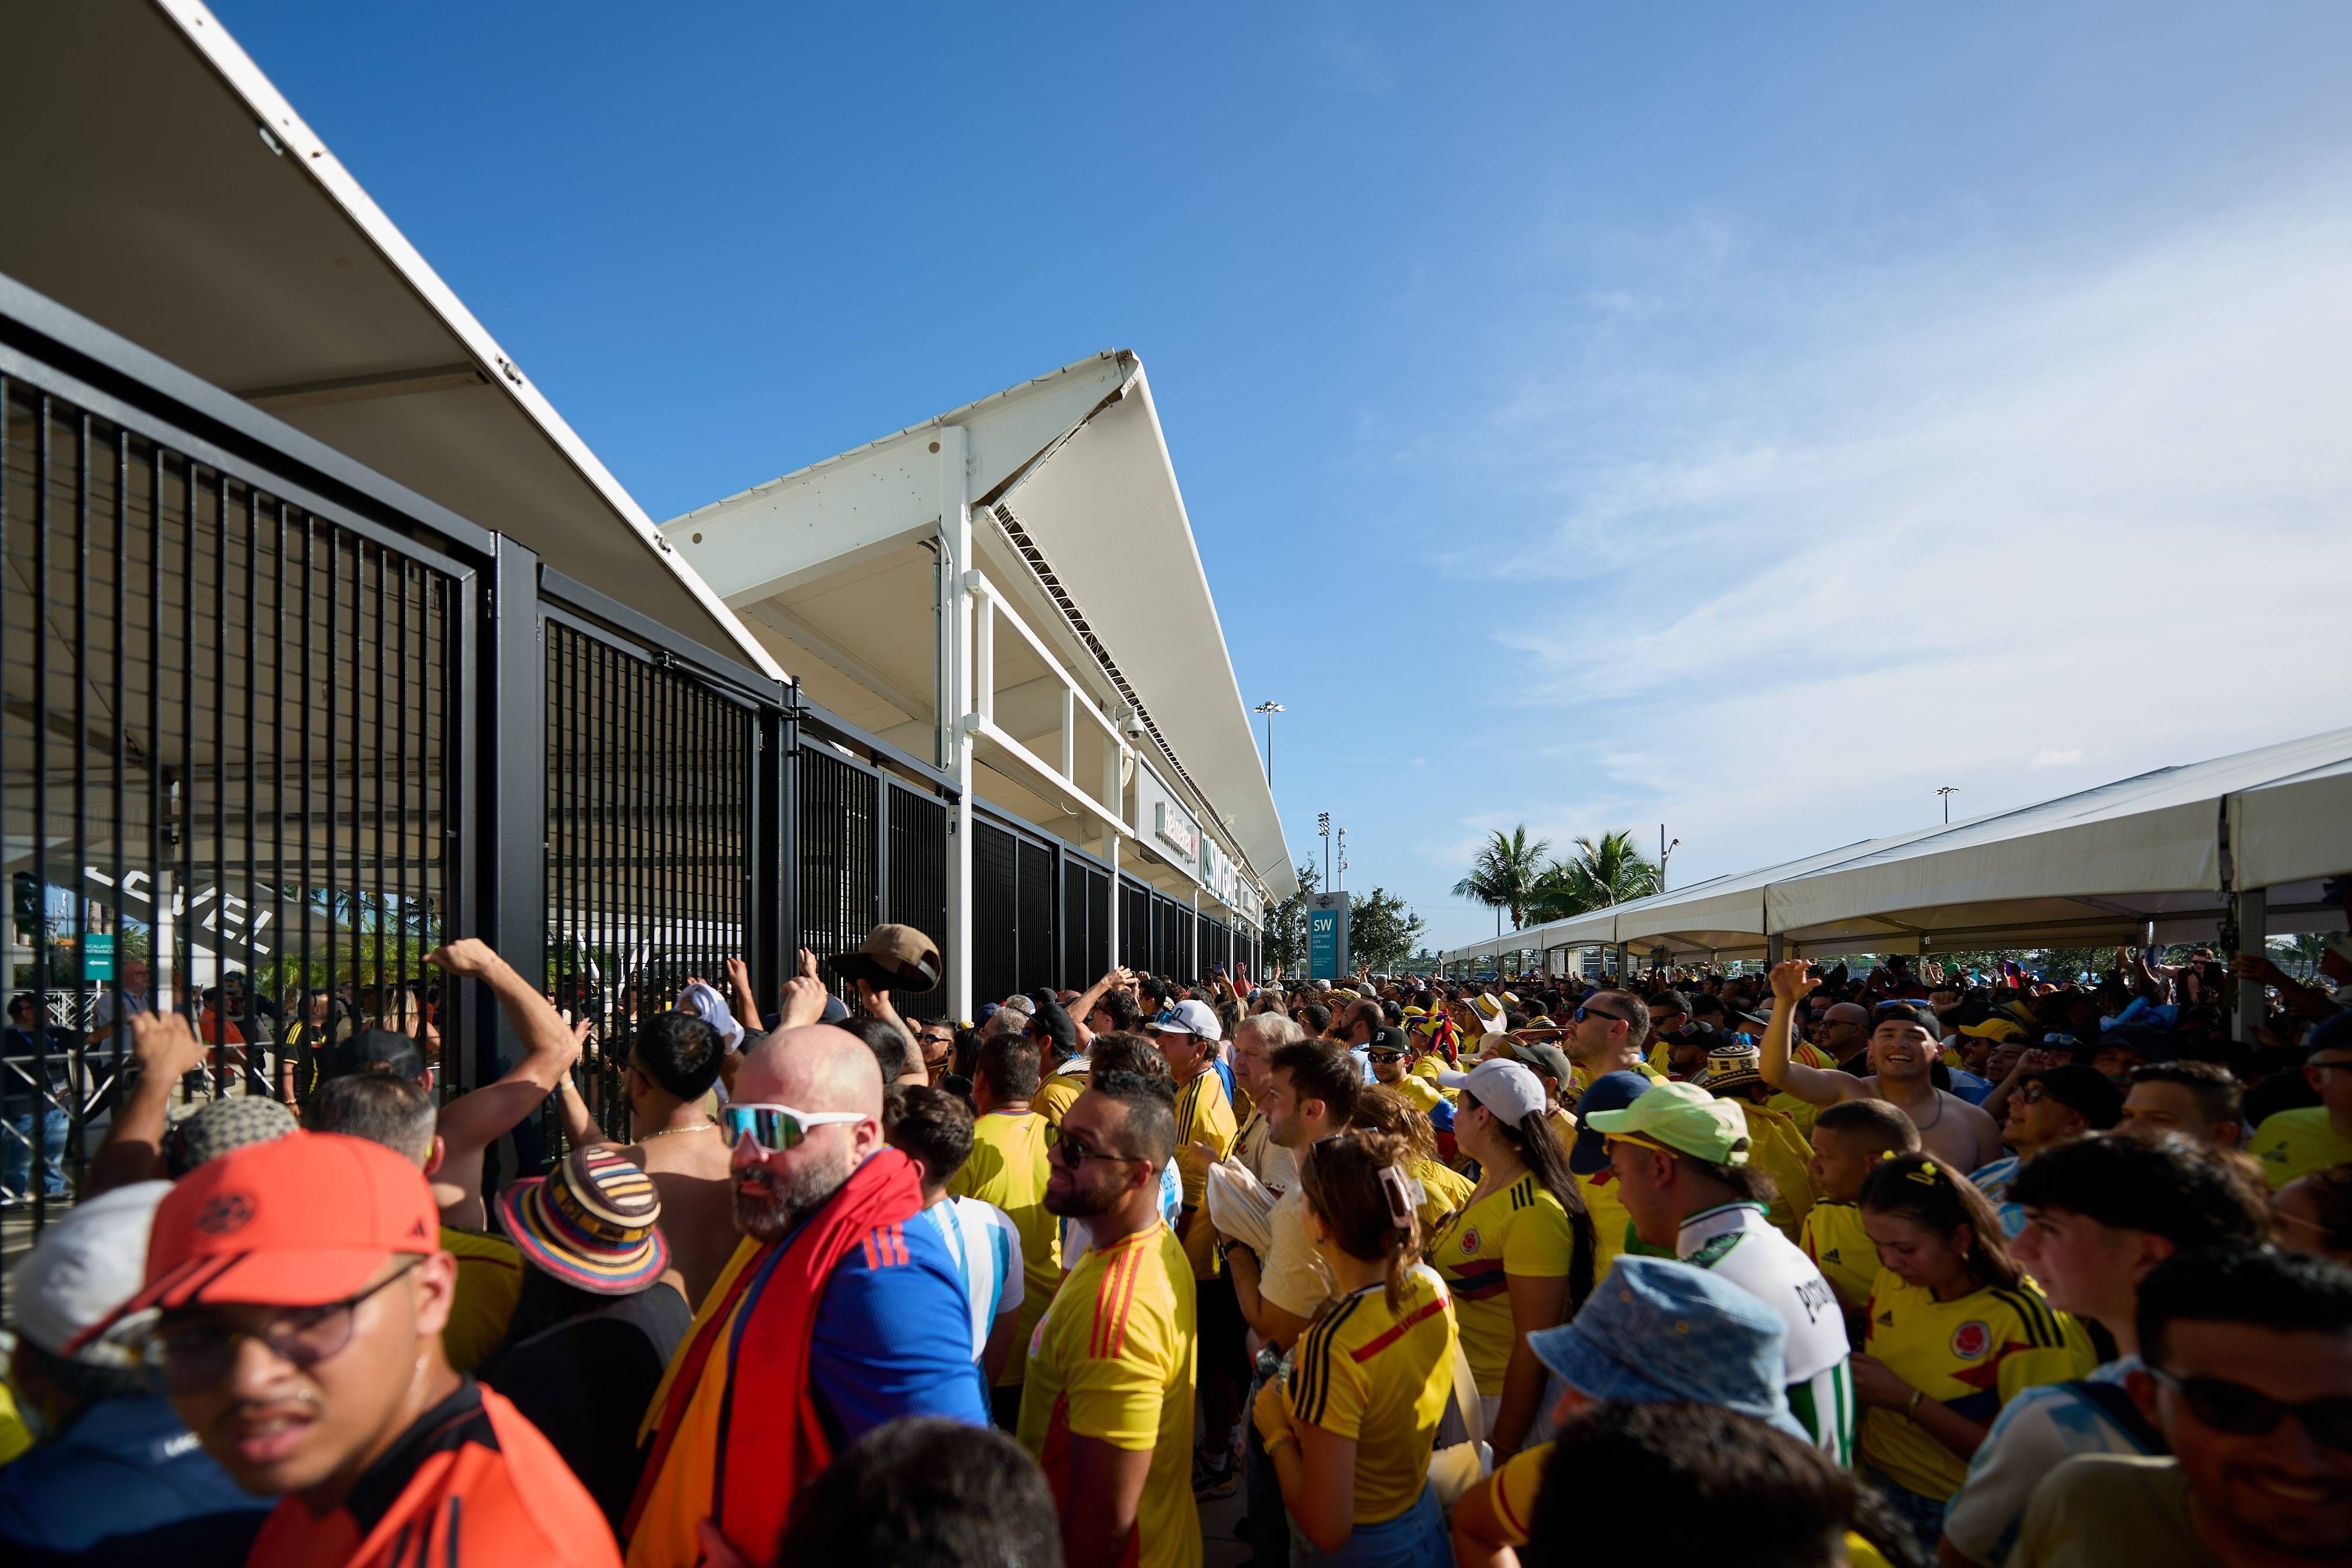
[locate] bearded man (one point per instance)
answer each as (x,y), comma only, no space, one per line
(839,1312)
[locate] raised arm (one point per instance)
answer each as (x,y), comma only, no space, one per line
(1792,982)
(1095,992)
(747,1001)
(165,1048)
(805,995)
(473,1122)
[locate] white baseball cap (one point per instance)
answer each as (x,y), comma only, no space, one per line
(1506,1088)
(1187,1018)
(90,1260)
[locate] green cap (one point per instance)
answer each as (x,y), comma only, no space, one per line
(1684,1117)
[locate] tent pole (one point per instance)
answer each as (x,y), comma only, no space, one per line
(2248,920)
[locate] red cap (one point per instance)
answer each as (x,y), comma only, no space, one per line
(300,1221)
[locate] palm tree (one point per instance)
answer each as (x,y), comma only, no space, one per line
(1503,874)
(1603,872)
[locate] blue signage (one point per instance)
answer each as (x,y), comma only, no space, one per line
(1327,938)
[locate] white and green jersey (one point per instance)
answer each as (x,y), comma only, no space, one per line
(1739,1243)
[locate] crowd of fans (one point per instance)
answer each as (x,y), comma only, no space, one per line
(1799,1268)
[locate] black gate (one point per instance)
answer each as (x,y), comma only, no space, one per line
(654,826)
(870,842)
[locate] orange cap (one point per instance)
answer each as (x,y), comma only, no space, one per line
(300,1221)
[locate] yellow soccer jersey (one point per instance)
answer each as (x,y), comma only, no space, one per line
(1584,1077)
(1204,1115)
(1781,1151)
(490,1283)
(1007,1168)
(1801,1113)
(1612,1226)
(1055,1099)
(1113,1360)
(2292,1144)
(1383,1379)
(1834,1239)
(1422,1093)
(1443,1191)
(1519,1229)
(1975,1354)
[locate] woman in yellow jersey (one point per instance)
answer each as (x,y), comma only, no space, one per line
(1350,1427)
(1956,1332)
(1519,1255)
(1383,1110)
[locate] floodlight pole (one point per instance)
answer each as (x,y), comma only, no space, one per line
(1947,791)
(1268,709)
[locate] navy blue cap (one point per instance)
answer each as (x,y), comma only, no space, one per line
(1610,1091)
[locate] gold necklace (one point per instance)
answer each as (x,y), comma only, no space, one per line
(665,1132)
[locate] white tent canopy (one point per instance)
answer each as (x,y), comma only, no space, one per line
(2162,850)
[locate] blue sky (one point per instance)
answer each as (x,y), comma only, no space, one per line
(1747,418)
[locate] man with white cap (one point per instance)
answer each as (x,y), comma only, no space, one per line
(116,1477)
(1681,1159)
(1187,1034)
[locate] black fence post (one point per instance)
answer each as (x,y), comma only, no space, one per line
(513,782)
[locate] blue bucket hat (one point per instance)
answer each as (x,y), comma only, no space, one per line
(1657,1330)
(1589,1155)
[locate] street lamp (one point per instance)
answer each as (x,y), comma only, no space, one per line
(1947,791)
(1665,848)
(1268,709)
(1343,861)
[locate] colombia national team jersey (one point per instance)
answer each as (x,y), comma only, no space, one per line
(1517,1229)
(1975,1354)
(1113,1359)
(1204,1115)
(1841,1250)
(1007,1168)
(1381,1378)
(470,1483)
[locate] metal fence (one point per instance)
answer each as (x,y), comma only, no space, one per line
(871,827)
(273,727)
(652,832)
(231,740)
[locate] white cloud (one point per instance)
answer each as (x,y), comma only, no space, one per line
(1959,527)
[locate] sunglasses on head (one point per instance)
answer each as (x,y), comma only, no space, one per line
(2229,1406)
(776,1128)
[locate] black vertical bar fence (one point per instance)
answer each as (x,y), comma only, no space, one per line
(651,794)
(225,764)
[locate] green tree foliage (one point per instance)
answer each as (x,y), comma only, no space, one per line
(1602,872)
(1285,925)
(1505,873)
(1381,931)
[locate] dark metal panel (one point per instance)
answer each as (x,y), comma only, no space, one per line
(1035,893)
(919,863)
(995,913)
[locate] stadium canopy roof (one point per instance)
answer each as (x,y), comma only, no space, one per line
(2159,851)
(1080,527)
(193,211)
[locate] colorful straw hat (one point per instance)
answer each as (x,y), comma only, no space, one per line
(592,1223)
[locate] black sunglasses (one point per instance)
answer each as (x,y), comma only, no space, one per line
(1589,1011)
(2229,1406)
(1385,1055)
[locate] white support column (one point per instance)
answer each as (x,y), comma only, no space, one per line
(1070,735)
(984,658)
(954,699)
(2250,918)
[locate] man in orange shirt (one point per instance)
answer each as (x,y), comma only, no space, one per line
(303,1291)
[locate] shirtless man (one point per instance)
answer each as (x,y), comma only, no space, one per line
(671,1070)
(1903,1051)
